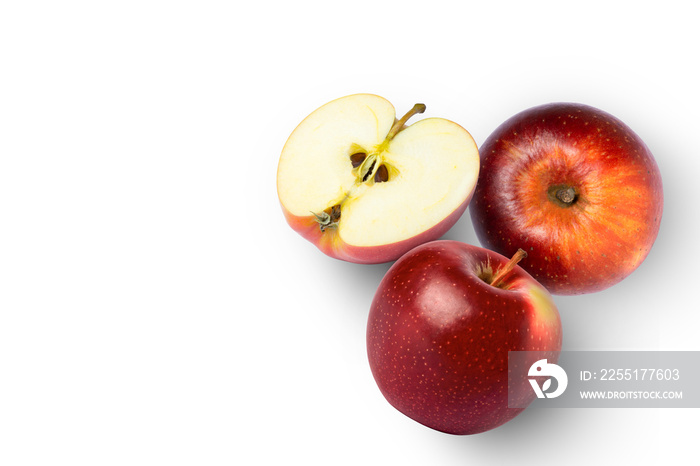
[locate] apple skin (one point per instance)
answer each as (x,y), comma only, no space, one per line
(606,233)
(438,336)
(330,243)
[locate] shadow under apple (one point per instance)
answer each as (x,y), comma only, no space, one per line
(463,231)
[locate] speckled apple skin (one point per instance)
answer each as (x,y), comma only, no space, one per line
(331,244)
(606,234)
(438,336)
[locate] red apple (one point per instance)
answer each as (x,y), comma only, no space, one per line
(576,188)
(364,187)
(441,325)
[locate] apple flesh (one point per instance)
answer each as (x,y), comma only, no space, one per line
(576,188)
(364,187)
(440,327)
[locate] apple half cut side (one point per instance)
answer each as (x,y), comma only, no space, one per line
(364,187)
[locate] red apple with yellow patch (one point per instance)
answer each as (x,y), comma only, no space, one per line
(440,327)
(364,187)
(576,188)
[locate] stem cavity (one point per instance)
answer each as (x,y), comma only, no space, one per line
(567,195)
(562,195)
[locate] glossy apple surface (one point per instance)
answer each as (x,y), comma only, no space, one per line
(364,186)
(576,188)
(439,333)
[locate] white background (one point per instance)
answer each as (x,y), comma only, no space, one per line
(155,308)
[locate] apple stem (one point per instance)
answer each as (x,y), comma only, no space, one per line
(505,270)
(566,195)
(562,195)
(418,108)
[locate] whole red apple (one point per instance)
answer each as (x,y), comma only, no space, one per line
(441,325)
(576,188)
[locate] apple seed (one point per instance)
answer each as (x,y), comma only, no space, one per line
(357,158)
(382,174)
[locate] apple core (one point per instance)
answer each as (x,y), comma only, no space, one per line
(364,164)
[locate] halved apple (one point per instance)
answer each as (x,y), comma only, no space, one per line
(366,188)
